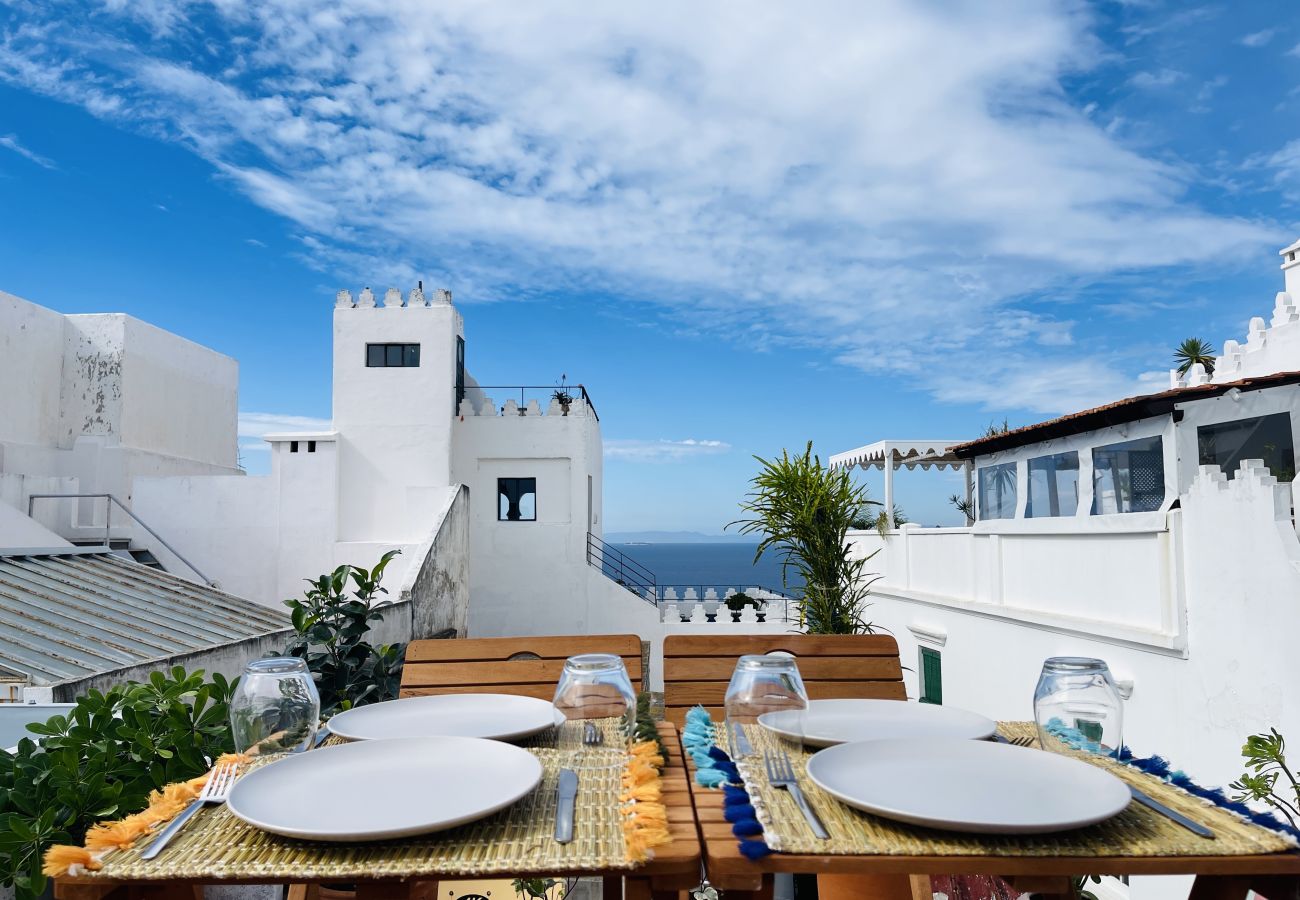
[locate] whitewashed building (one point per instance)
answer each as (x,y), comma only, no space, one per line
(1156,532)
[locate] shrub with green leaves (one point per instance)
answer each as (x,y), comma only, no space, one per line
(331,627)
(1266,759)
(804,511)
(101,760)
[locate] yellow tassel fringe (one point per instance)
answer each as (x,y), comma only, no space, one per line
(645,819)
(122,834)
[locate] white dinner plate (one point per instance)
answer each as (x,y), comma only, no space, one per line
(501,717)
(830,722)
(969,785)
(374,790)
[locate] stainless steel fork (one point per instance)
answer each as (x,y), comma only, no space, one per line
(214,793)
(591,735)
(781,774)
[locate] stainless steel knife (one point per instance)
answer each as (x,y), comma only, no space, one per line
(1191,825)
(566,795)
(740,741)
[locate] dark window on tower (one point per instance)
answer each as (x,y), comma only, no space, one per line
(517,499)
(392,356)
(293,446)
(311,446)
(460,371)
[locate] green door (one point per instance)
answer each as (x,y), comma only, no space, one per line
(931,676)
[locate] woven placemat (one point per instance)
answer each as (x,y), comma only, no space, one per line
(1137,831)
(519,839)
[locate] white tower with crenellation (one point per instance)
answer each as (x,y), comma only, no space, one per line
(397,368)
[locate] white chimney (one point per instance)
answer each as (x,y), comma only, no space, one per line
(1291,269)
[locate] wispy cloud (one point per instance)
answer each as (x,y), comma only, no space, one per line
(908,192)
(1161,78)
(662,450)
(11,142)
(254,242)
(1258,38)
(255,425)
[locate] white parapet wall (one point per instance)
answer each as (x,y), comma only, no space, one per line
(1220,583)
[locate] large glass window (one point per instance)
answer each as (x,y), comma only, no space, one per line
(1128,477)
(392,356)
(1053,485)
(998,491)
(517,499)
(1264,437)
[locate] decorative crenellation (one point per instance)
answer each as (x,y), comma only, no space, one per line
(1270,347)
(487,408)
(1251,483)
(392,299)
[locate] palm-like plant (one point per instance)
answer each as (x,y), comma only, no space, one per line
(804,512)
(1192,351)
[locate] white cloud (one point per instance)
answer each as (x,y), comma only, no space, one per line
(254,242)
(1258,38)
(893,204)
(662,450)
(1161,78)
(259,424)
(10,142)
(1286,163)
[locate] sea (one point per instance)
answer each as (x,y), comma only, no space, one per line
(704,565)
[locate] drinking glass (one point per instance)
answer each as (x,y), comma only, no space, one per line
(596,686)
(1077,694)
(762,684)
(276,708)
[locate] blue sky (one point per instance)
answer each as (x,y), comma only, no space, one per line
(741,227)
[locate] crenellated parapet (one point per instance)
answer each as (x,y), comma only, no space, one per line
(487,408)
(392,299)
(1270,346)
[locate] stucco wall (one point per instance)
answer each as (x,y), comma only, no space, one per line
(394,424)
(180,399)
(437,580)
(31,366)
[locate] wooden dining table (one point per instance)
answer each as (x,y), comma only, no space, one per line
(908,877)
(675,866)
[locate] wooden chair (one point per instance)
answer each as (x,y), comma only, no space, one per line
(529,666)
(698,668)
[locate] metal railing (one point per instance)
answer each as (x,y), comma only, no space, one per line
(108,524)
(573,390)
(621,568)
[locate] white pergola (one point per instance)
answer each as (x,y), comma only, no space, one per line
(892,455)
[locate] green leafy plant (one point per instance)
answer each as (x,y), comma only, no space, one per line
(1265,756)
(739,600)
(561,394)
(964,506)
(804,511)
(101,760)
(1192,351)
(880,522)
(1078,883)
(539,888)
(331,628)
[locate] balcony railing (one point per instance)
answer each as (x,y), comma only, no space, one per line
(542,393)
(622,569)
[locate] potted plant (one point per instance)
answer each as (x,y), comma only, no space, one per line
(739,600)
(562,396)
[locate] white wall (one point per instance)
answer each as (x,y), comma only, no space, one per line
(533,577)
(1239,562)
(394,424)
(104,399)
(179,399)
(31,362)
(17,532)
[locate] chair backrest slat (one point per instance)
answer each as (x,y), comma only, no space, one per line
(697,669)
(529,666)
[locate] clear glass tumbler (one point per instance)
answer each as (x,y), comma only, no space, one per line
(596,686)
(1076,703)
(762,684)
(276,708)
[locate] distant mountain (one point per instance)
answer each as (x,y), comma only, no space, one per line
(677,537)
